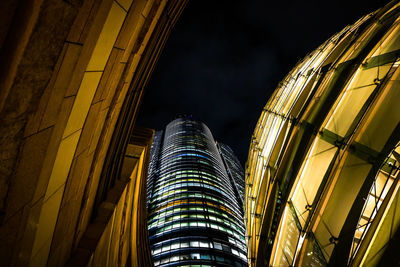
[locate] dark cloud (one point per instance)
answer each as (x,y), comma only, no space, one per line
(224,59)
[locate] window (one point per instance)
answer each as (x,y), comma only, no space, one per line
(195,256)
(217,245)
(194,244)
(205,257)
(157,250)
(204,244)
(166,247)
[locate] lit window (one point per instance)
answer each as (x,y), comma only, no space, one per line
(217,245)
(204,244)
(157,250)
(205,257)
(174,258)
(195,256)
(166,247)
(194,244)
(175,245)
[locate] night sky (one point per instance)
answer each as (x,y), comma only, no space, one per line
(224,59)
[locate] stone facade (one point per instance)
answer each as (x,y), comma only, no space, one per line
(72,75)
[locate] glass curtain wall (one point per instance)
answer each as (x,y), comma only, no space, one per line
(322,171)
(195,215)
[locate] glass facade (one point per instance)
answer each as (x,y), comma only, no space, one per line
(195,194)
(322,173)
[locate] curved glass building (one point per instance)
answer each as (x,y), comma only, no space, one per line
(322,180)
(194,199)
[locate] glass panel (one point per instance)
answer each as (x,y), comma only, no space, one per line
(377,194)
(205,257)
(314,169)
(157,250)
(313,255)
(166,247)
(288,237)
(360,43)
(379,184)
(384,117)
(344,192)
(391,42)
(203,244)
(195,256)
(387,230)
(194,244)
(174,258)
(354,97)
(217,245)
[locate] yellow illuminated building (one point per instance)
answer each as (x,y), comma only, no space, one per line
(322,185)
(72,161)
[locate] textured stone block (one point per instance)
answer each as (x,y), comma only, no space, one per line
(8,237)
(27,233)
(99,127)
(35,118)
(126,4)
(62,163)
(24,183)
(77,178)
(86,12)
(82,102)
(59,89)
(107,38)
(89,128)
(107,76)
(130,23)
(46,224)
(52,149)
(114,86)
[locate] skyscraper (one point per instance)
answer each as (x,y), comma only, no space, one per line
(322,185)
(195,189)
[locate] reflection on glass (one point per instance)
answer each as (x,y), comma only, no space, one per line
(194,198)
(383,181)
